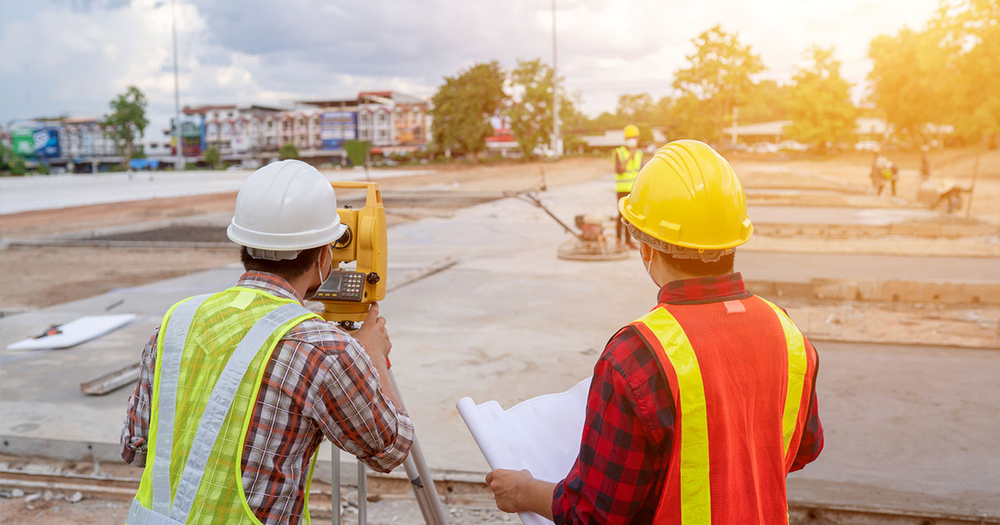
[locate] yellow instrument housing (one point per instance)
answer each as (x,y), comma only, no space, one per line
(368,245)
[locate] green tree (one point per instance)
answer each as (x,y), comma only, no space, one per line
(212,157)
(288,151)
(688,119)
(463,106)
(971,30)
(820,102)
(636,109)
(126,120)
(767,101)
(719,76)
(529,106)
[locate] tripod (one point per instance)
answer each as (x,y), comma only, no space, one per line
(417,472)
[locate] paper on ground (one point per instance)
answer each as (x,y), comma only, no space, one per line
(75,332)
(541,434)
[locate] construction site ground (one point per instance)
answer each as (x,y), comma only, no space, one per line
(902,303)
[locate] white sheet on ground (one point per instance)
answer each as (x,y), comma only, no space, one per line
(541,434)
(75,332)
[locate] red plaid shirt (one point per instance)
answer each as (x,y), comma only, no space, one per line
(319,382)
(620,472)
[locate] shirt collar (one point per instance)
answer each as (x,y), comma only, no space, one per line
(268,282)
(704,290)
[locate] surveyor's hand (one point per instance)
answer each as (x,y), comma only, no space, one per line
(374,337)
(508,488)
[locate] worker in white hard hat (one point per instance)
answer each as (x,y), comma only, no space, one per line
(238,388)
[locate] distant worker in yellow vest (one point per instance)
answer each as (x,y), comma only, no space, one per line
(699,409)
(238,388)
(628,162)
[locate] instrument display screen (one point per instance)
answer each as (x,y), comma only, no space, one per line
(332,283)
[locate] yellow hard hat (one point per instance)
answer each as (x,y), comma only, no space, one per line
(688,195)
(631,131)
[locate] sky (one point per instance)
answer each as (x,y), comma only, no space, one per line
(73,56)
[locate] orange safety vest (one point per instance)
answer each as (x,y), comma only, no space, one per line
(741,375)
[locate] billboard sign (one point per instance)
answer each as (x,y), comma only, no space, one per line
(38,143)
(192,136)
(337,126)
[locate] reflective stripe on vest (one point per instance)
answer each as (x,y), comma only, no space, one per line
(624,180)
(797,365)
(740,408)
(195,378)
(695,489)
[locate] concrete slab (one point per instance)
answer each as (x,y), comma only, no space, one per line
(19,194)
(511,321)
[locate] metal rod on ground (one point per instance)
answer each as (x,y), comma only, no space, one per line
(421,480)
(362,494)
(975,175)
(538,203)
(335,484)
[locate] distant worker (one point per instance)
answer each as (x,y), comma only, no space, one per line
(887,173)
(628,162)
(925,163)
(238,389)
(699,409)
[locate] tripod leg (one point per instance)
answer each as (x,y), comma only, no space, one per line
(362,494)
(335,484)
(421,481)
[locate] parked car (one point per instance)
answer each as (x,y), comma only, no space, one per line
(867,145)
(763,147)
(791,145)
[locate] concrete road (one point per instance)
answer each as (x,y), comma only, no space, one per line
(907,426)
(19,194)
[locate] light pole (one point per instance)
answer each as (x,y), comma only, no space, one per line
(556,140)
(179,163)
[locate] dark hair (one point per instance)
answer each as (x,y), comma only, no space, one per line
(699,268)
(288,269)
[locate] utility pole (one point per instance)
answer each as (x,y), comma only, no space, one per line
(556,140)
(736,117)
(179,163)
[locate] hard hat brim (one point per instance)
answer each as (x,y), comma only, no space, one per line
(638,222)
(285,241)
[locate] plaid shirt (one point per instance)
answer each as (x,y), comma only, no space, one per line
(319,382)
(620,472)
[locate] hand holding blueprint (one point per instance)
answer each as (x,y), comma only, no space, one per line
(541,434)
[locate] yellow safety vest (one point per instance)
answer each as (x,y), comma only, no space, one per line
(624,180)
(212,352)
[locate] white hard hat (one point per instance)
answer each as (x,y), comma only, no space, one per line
(284,208)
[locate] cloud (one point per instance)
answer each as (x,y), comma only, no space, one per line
(276,52)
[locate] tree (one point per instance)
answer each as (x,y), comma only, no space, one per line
(463,106)
(820,102)
(212,157)
(636,109)
(908,81)
(971,29)
(127,118)
(288,150)
(719,76)
(767,101)
(529,106)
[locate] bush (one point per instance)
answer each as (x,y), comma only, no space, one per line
(356,151)
(288,151)
(212,158)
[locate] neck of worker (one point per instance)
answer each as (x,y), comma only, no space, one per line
(306,284)
(660,271)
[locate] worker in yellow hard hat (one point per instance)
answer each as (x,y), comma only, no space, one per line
(699,409)
(628,162)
